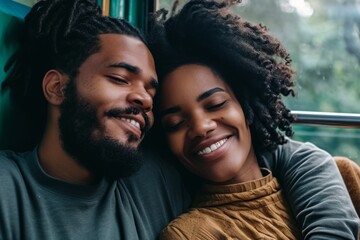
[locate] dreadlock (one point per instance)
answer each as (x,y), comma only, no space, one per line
(251,61)
(61,35)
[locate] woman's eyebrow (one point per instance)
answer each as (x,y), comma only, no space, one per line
(209,93)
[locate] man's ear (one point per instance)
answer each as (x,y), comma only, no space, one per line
(53,84)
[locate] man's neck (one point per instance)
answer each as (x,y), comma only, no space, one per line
(56,162)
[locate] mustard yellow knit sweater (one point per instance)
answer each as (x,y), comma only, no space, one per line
(250,210)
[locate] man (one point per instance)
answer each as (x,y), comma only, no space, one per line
(90,80)
(96,78)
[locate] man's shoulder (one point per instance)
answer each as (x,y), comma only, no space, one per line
(294,153)
(299,149)
(8,160)
(154,195)
(11,163)
(156,167)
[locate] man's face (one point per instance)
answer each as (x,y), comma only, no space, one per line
(108,107)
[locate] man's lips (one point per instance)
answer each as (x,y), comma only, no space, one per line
(132,122)
(135,124)
(131,125)
(133,116)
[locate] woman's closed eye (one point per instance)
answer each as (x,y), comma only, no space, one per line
(216,106)
(172,126)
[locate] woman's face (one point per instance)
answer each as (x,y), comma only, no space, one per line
(205,125)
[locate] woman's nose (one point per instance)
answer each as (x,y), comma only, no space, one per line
(201,125)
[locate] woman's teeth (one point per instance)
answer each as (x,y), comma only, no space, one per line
(212,147)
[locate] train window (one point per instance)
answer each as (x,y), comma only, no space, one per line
(323,40)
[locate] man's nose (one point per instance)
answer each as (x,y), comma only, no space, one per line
(141,99)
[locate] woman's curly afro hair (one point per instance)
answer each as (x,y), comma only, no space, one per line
(251,61)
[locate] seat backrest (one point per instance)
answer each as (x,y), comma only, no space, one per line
(350,172)
(13,131)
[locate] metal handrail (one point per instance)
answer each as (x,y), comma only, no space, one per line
(348,120)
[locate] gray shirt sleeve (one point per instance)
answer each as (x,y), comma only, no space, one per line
(315,191)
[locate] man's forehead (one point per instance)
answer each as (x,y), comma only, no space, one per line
(122,44)
(120,48)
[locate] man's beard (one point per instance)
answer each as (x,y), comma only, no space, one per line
(102,155)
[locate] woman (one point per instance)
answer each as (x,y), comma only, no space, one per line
(222,79)
(208,132)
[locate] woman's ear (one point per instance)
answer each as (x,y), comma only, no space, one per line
(54,84)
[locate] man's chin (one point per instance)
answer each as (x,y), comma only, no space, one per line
(134,141)
(114,171)
(115,160)
(106,157)
(129,139)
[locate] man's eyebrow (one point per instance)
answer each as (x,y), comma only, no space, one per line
(209,93)
(169,111)
(129,67)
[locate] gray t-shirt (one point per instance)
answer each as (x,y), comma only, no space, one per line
(34,205)
(314,188)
